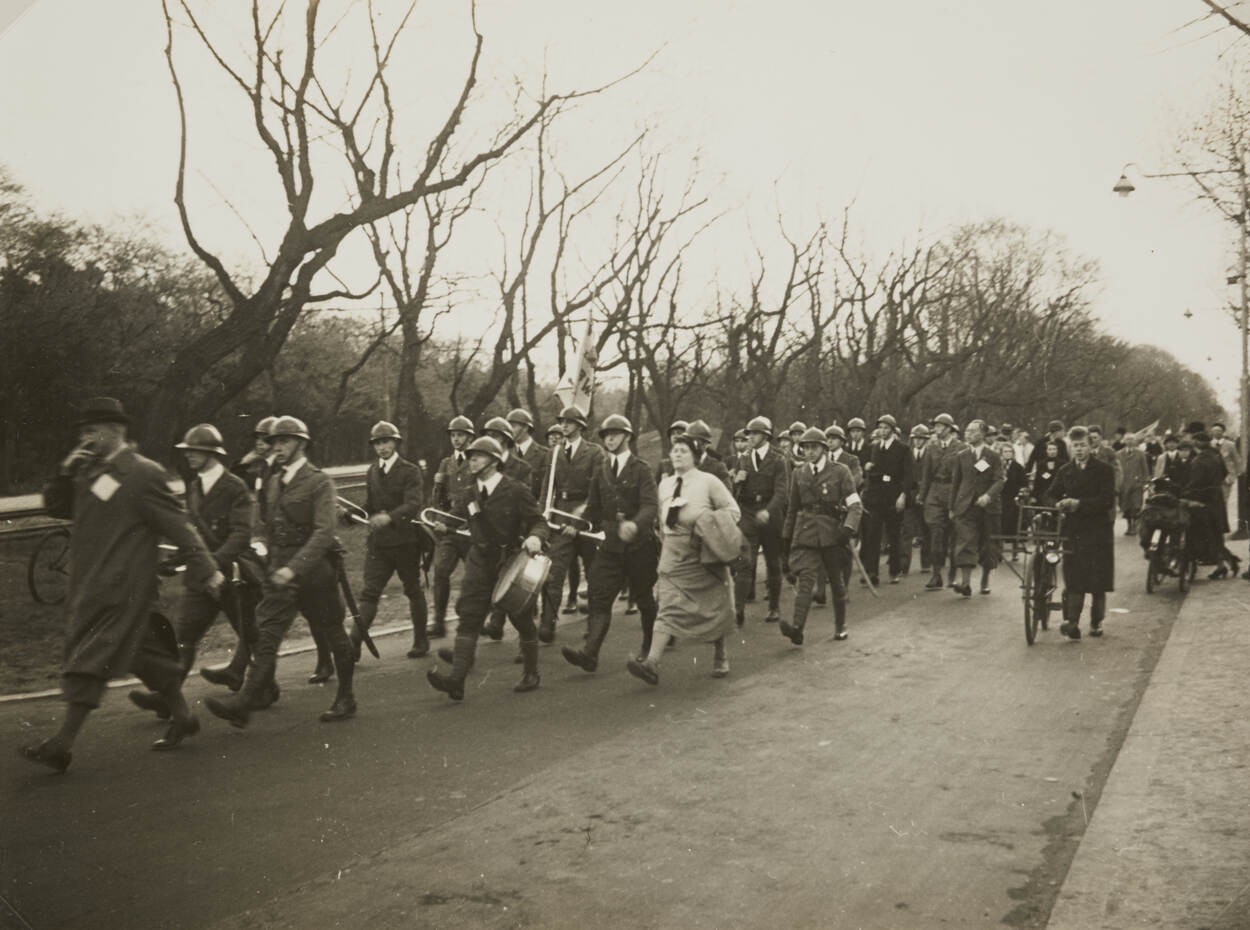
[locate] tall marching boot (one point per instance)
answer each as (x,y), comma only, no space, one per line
(344,705)
(839,619)
(587,658)
(452,683)
(420,639)
(325,659)
(529,653)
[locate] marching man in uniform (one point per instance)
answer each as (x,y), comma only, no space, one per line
(623,504)
(512,465)
(452,482)
(822,517)
(394,498)
(298,535)
(760,490)
(937,469)
(500,511)
(529,449)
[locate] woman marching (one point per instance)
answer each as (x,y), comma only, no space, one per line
(695,598)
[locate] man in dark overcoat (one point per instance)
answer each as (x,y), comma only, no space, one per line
(1084,489)
(760,488)
(976,508)
(623,505)
(887,472)
(122,508)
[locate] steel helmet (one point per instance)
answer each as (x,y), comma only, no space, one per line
(574,414)
(740,434)
(461,425)
(678,426)
(944,419)
(616,423)
(920,430)
(487,445)
(700,431)
(856,423)
(289,426)
(814,434)
(384,430)
(888,420)
(554,430)
(203,438)
(264,427)
(760,425)
(501,426)
(837,431)
(522,416)
(798,426)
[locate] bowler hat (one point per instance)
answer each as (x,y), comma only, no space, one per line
(102,410)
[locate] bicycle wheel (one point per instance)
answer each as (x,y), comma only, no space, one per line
(1027,590)
(47,571)
(1185,566)
(1154,570)
(1045,588)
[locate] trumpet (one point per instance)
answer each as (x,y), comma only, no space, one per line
(431,518)
(566,519)
(353,511)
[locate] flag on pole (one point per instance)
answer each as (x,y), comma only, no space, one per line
(577,386)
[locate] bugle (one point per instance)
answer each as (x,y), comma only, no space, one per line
(431,518)
(560,519)
(353,511)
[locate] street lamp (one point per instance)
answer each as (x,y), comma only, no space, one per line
(1124,187)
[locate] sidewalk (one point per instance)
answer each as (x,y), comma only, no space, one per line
(1169,845)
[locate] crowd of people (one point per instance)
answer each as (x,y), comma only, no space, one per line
(258,539)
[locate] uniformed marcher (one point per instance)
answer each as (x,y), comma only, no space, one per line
(528,448)
(518,469)
(394,499)
(914,529)
(1085,491)
(622,504)
(452,483)
(794,433)
(886,475)
(822,517)
(256,463)
(122,507)
(856,444)
(576,458)
(936,471)
(976,508)
(503,517)
(760,490)
(298,535)
(740,444)
(837,439)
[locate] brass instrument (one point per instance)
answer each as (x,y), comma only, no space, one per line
(354,511)
(431,517)
(569,519)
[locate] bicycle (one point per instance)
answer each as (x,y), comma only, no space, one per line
(47,569)
(1165,538)
(1040,539)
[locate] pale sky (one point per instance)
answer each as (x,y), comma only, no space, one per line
(925,113)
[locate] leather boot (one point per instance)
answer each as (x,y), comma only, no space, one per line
(452,683)
(547,622)
(839,619)
(494,626)
(420,640)
(237,667)
(325,660)
(529,680)
(368,611)
(587,658)
(344,705)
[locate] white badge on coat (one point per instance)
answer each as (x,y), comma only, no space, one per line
(105,487)
(981,465)
(474,509)
(885,478)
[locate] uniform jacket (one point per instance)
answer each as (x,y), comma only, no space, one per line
(972,476)
(886,474)
(764,487)
(121,509)
(501,521)
(572,487)
(299,527)
(537,457)
(937,471)
(851,462)
(861,450)
(628,496)
(913,475)
(1090,567)
(224,518)
(518,469)
(255,475)
(818,503)
(399,492)
(452,482)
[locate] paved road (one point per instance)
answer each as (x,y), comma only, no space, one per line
(932,771)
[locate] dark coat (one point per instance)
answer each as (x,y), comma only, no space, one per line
(518,469)
(399,492)
(572,487)
(937,470)
(225,518)
(762,488)
(121,509)
(886,475)
(1045,471)
(1204,484)
(299,528)
(255,474)
(502,521)
(537,457)
(452,482)
(852,464)
(970,478)
(1089,562)
(1039,452)
(628,496)
(818,504)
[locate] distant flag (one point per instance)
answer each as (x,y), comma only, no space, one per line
(577,387)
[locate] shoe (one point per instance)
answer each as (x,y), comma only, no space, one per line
(436,630)
(894,579)
(875,581)
(56,759)
(1095,630)
(579,658)
(419,650)
(177,732)
(985,590)
(230,711)
(322,673)
(529,681)
(268,699)
(452,687)
(819,601)
(493,631)
(720,667)
(547,631)
(792,633)
(741,619)
(841,635)
(1070,630)
(148,700)
(773,617)
(356,642)
(222,676)
(935,583)
(632,608)
(1246,574)
(570,607)
(341,709)
(642,669)
(1221,572)
(965,590)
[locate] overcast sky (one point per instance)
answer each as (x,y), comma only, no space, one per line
(925,113)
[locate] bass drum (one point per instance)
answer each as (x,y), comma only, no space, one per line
(519,583)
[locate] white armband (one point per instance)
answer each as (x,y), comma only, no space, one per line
(852,499)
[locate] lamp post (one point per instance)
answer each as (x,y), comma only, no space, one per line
(1124,187)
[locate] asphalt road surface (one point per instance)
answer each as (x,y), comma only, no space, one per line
(931,771)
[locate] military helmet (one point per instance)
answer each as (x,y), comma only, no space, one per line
(487,445)
(814,434)
(522,416)
(461,425)
(888,420)
(289,426)
(760,425)
(856,423)
(384,430)
(798,426)
(501,426)
(554,430)
(678,426)
(203,438)
(264,426)
(835,431)
(944,419)
(574,414)
(616,423)
(700,431)
(740,434)
(920,430)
